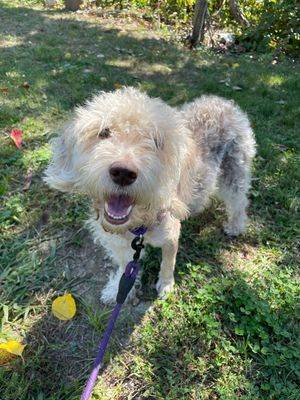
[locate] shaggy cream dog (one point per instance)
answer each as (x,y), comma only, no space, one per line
(142,162)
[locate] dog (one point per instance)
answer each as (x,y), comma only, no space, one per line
(144,163)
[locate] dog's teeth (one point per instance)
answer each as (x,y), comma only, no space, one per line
(116,217)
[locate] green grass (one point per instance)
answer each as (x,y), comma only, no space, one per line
(230,330)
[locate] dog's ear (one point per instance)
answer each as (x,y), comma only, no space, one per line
(60,173)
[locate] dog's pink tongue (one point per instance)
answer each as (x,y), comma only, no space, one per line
(118,205)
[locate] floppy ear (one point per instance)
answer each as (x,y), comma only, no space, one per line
(60,173)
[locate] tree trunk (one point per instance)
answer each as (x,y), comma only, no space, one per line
(237,13)
(198,22)
(72,5)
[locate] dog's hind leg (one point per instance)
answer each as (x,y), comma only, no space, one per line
(233,186)
(236,204)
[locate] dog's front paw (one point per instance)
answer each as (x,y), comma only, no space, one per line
(164,287)
(109,294)
(110,291)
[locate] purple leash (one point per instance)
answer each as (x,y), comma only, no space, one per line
(126,282)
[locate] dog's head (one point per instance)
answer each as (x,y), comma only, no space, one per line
(126,151)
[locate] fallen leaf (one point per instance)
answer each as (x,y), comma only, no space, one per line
(64,307)
(10,349)
(4,90)
(118,85)
(255,193)
(281,147)
(246,255)
(45,218)
(25,85)
(236,88)
(16,135)
(27,180)
(50,3)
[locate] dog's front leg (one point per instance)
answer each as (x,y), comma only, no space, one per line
(165,283)
(118,247)
(166,237)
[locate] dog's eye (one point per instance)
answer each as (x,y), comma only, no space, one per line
(104,133)
(158,143)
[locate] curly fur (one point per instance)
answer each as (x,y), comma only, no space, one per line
(183,157)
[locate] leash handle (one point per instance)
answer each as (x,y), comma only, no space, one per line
(126,283)
(102,347)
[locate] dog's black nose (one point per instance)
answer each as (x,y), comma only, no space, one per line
(122,174)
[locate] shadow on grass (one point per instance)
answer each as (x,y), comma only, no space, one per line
(217,316)
(225,336)
(64,62)
(227,342)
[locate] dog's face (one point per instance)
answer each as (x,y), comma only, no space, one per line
(125,151)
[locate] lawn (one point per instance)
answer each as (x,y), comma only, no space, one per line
(231,329)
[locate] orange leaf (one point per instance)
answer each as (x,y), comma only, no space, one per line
(16,135)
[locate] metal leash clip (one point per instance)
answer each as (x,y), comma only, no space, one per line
(137,245)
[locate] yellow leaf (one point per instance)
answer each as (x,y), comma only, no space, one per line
(118,85)
(64,307)
(10,349)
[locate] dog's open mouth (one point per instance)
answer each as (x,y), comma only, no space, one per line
(117,209)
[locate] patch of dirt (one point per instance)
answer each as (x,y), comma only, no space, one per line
(85,265)
(67,349)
